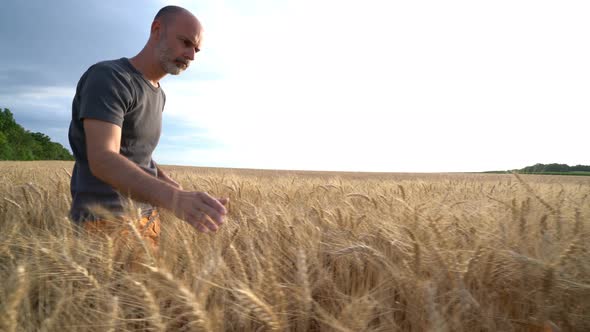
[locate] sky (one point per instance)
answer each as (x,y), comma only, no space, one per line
(389,86)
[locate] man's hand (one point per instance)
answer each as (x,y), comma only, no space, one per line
(106,163)
(199,209)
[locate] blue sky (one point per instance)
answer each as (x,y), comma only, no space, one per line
(402,86)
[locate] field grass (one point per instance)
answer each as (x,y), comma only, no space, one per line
(308,251)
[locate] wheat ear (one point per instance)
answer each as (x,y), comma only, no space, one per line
(260,309)
(155,317)
(201,321)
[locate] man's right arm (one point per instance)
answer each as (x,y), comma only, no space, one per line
(106,163)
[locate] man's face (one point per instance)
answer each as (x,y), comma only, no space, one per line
(178,44)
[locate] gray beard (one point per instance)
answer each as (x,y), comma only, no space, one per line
(171,68)
(167,62)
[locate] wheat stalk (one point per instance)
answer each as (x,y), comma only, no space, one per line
(363,196)
(9,314)
(141,241)
(437,322)
(417,252)
(152,307)
(532,192)
(114,315)
(276,290)
(330,320)
(13,202)
(108,259)
(304,286)
(358,313)
(201,321)
(50,321)
(239,265)
(81,270)
(260,309)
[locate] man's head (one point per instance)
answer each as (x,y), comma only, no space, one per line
(176,38)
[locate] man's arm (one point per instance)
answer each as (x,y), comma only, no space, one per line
(106,163)
(164,176)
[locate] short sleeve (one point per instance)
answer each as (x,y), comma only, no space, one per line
(106,95)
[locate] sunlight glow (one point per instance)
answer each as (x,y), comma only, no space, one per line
(380,86)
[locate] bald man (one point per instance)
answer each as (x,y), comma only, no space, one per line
(115,127)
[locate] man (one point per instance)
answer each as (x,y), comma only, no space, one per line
(116,124)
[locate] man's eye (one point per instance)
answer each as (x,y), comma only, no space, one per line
(187,43)
(197,50)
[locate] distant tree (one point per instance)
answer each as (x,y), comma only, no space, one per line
(6,120)
(580,168)
(540,168)
(536,168)
(556,168)
(3,138)
(17,143)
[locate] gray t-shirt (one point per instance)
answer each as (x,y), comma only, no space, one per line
(113,91)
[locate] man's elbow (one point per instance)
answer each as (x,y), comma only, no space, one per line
(99,162)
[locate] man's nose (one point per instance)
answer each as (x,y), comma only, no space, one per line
(190,54)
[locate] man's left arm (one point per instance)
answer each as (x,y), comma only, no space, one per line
(164,177)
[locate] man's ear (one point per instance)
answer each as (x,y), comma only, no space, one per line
(156,29)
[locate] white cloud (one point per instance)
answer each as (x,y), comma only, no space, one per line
(404,86)
(445,125)
(44,92)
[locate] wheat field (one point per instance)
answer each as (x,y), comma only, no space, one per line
(308,251)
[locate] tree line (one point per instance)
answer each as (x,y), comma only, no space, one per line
(17,143)
(544,168)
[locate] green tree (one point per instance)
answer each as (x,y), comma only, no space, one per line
(580,168)
(17,143)
(540,168)
(6,120)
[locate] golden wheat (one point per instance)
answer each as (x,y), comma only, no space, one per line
(306,251)
(9,315)
(199,320)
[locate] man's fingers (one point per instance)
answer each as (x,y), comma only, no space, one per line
(202,211)
(212,202)
(196,223)
(209,216)
(214,215)
(201,228)
(205,221)
(202,223)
